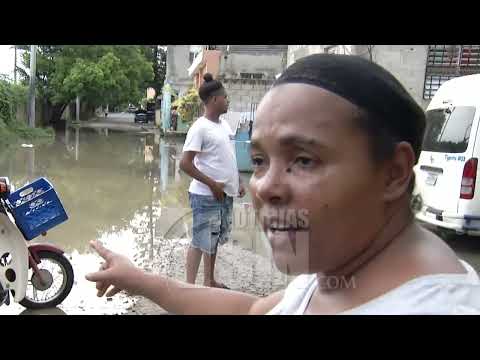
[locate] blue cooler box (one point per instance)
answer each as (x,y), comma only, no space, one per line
(36,208)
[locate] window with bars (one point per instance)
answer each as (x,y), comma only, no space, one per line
(255,76)
(191,56)
(433,82)
(445,62)
(442,55)
(470,56)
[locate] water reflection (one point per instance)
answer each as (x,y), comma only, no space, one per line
(77,142)
(108,181)
(49,311)
(104,181)
(125,189)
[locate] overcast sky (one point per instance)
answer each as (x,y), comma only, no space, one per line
(7,59)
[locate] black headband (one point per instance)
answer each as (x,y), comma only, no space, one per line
(364,84)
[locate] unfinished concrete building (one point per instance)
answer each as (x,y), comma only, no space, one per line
(246,71)
(420,68)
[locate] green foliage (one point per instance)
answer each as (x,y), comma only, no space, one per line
(188,105)
(11,96)
(157,55)
(32,134)
(100,74)
(12,129)
(18,131)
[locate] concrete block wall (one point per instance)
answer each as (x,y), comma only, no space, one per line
(269,64)
(296,52)
(242,93)
(406,62)
(178,62)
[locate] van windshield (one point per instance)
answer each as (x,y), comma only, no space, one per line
(448,130)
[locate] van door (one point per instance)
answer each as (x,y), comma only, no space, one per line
(446,148)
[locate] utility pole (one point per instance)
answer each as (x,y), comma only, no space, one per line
(15,66)
(78,109)
(459,59)
(33,63)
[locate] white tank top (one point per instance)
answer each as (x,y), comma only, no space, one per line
(445,294)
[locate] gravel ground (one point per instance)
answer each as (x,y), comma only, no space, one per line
(240,269)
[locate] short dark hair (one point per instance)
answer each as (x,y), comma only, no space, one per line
(210,88)
(382,140)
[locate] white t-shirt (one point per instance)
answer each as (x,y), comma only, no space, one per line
(216,157)
(437,294)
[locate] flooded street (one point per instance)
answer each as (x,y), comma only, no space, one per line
(126,190)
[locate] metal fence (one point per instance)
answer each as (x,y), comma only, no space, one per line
(445,62)
(241,120)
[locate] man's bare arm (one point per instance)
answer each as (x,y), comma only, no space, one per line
(187,165)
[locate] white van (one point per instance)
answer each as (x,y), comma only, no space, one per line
(446,173)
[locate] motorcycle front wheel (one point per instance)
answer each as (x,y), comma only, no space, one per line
(57,275)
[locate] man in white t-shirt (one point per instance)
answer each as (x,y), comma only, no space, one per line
(209,158)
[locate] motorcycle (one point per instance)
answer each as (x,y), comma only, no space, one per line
(39,275)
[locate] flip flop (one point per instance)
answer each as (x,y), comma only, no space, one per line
(222,286)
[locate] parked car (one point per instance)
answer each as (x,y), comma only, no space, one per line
(140,116)
(150,115)
(151,111)
(131,108)
(446,173)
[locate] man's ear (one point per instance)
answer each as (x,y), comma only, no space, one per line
(399,171)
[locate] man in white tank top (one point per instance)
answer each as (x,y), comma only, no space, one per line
(333,148)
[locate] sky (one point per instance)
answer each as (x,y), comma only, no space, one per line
(7,58)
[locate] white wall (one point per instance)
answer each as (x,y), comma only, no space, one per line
(178,62)
(296,52)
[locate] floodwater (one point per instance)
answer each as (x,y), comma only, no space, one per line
(124,189)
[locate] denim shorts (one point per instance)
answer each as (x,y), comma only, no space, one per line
(212,221)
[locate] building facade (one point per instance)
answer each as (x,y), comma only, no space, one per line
(178,61)
(246,71)
(420,68)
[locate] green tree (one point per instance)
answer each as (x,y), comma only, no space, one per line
(13,96)
(100,74)
(157,55)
